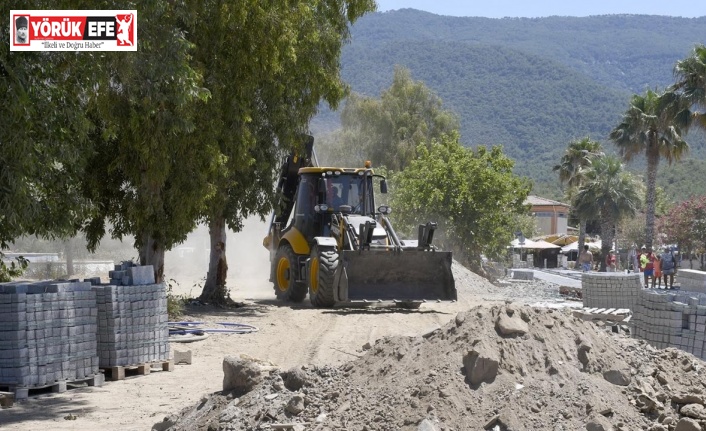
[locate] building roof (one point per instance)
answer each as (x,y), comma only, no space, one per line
(536,200)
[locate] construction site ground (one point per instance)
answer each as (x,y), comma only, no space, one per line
(389,368)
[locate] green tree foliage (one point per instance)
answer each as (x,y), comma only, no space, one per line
(630,232)
(682,181)
(573,168)
(685,225)
(531,85)
(472,194)
(44,145)
(652,126)
(43,131)
(160,157)
(267,68)
(389,130)
(610,193)
(525,223)
(691,82)
(532,105)
(601,47)
(150,170)
(12,269)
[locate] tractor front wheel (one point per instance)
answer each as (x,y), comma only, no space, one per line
(322,269)
(286,275)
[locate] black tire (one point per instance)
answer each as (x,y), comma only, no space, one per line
(322,269)
(286,273)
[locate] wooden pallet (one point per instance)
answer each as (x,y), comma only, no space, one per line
(9,393)
(611,314)
(7,399)
(143,369)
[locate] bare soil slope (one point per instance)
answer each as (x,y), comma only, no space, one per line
(502,367)
(387,369)
(289,335)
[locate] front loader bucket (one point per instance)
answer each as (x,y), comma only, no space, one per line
(405,276)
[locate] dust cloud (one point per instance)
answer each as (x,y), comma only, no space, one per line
(248,262)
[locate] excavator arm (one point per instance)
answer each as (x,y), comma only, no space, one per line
(288,179)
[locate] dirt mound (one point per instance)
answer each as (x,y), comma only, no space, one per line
(472,286)
(507,367)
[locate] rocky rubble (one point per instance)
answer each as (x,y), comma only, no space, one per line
(500,367)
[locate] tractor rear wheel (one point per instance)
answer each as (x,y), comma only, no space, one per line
(322,269)
(286,274)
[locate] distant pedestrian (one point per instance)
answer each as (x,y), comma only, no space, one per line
(647,265)
(657,262)
(611,261)
(669,267)
(586,259)
(633,260)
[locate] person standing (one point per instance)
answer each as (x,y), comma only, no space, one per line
(657,262)
(611,261)
(632,264)
(669,266)
(647,265)
(586,259)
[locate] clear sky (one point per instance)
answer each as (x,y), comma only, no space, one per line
(541,8)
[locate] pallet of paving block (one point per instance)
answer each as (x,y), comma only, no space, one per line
(10,392)
(594,313)
(120,372)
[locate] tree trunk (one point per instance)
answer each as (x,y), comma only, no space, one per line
(582,237)
(152,253)
(214,288)
(69,256)
(650,195)
(607,237)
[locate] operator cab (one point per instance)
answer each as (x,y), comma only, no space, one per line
(325,191)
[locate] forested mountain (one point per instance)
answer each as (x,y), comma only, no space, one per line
(529,84)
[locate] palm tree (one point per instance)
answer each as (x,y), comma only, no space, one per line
(572,168)
(652,125)
(691,81)
(608,193)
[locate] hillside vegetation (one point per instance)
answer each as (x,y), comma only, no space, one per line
(531,85)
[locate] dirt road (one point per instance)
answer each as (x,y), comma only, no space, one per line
(288,335)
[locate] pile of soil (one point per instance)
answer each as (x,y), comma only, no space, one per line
(501,367)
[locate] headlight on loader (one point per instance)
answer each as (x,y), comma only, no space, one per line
(384,209)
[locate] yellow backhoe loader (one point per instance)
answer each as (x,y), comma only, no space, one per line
(330,241)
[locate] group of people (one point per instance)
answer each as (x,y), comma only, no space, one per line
(586,260)
(656,266)
(652,265)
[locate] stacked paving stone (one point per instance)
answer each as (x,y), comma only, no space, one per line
(517,262)
(132,318)
(666,319)
(523,274)
(610,289)
(692,280)
(47,333)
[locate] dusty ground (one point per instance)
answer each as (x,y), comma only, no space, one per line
(288,336)
(393,369)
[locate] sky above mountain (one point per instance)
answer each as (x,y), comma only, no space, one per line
(534,9)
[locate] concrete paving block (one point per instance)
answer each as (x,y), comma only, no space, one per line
(182,357)
(142,275)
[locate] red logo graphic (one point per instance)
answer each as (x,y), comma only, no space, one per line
(126,32)
(73,30)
